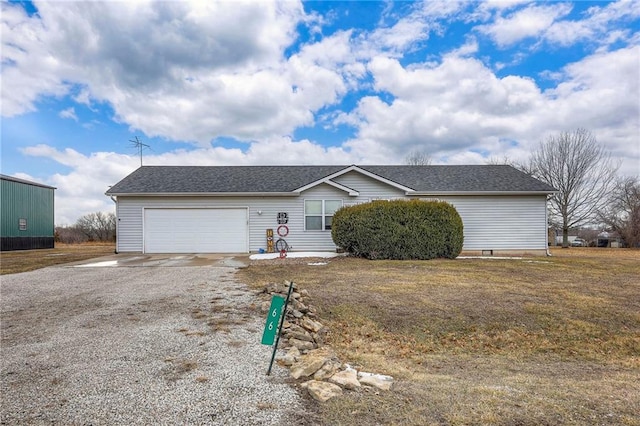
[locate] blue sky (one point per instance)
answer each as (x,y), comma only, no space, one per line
(229,83)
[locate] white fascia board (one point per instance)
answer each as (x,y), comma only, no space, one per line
(204,194)
(352,192)
(440,193)
(384,180)
(329,178)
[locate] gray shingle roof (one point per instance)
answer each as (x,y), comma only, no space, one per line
(277,179)
(474,178)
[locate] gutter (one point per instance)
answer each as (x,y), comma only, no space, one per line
(203,194)
(441,193)
(546,222)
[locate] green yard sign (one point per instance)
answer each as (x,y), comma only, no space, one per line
(273,320)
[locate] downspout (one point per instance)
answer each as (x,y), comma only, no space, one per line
(117,220)
(546,225)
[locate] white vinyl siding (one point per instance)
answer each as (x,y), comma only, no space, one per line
(369,188)
(508,222)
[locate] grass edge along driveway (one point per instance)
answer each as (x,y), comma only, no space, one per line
(16,261)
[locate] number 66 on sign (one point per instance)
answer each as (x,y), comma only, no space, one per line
(273,320)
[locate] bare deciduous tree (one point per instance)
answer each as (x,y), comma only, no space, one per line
(418,158)
(98,226)
(622,211)
(523,167)
(582,172)
(70,235)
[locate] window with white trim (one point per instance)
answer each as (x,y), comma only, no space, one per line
(318,214)
(22,224)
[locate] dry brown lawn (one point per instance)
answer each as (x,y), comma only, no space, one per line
(533,341)
(12,262)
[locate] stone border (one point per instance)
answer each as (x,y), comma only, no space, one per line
(307,356)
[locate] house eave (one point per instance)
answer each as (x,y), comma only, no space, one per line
(202,194)
(442,193)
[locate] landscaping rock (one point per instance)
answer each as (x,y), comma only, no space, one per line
(311,325)
(323,391)
(294,352)
(379,381)
(347,379)
(309,364)
(320,336)
(304,336)
(295,327)
(289,358)
(328,369)
(302,345)
(299,306)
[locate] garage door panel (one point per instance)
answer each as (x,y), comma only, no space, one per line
(195,230)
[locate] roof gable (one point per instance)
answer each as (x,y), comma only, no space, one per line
(329,180)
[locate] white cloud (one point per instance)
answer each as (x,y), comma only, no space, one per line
(411,29)
(502,4)
(81,191)
(191,71)
(460,106)
(440,9)
(528,22)
(155,61)
(596,26)
(68,113)
(401,35)
(602,93)
(29,71)
(550,23)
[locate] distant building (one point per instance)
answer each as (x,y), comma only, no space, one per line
(26,214)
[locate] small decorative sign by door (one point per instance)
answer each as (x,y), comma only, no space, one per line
(283,218)
(270,241)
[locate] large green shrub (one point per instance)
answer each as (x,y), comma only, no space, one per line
(399,229)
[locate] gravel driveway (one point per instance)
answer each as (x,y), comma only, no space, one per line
(137,345)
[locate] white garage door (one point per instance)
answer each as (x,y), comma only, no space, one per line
(195,231)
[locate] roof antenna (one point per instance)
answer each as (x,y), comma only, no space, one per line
(139,146)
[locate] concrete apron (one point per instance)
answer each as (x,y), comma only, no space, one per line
(141,260)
